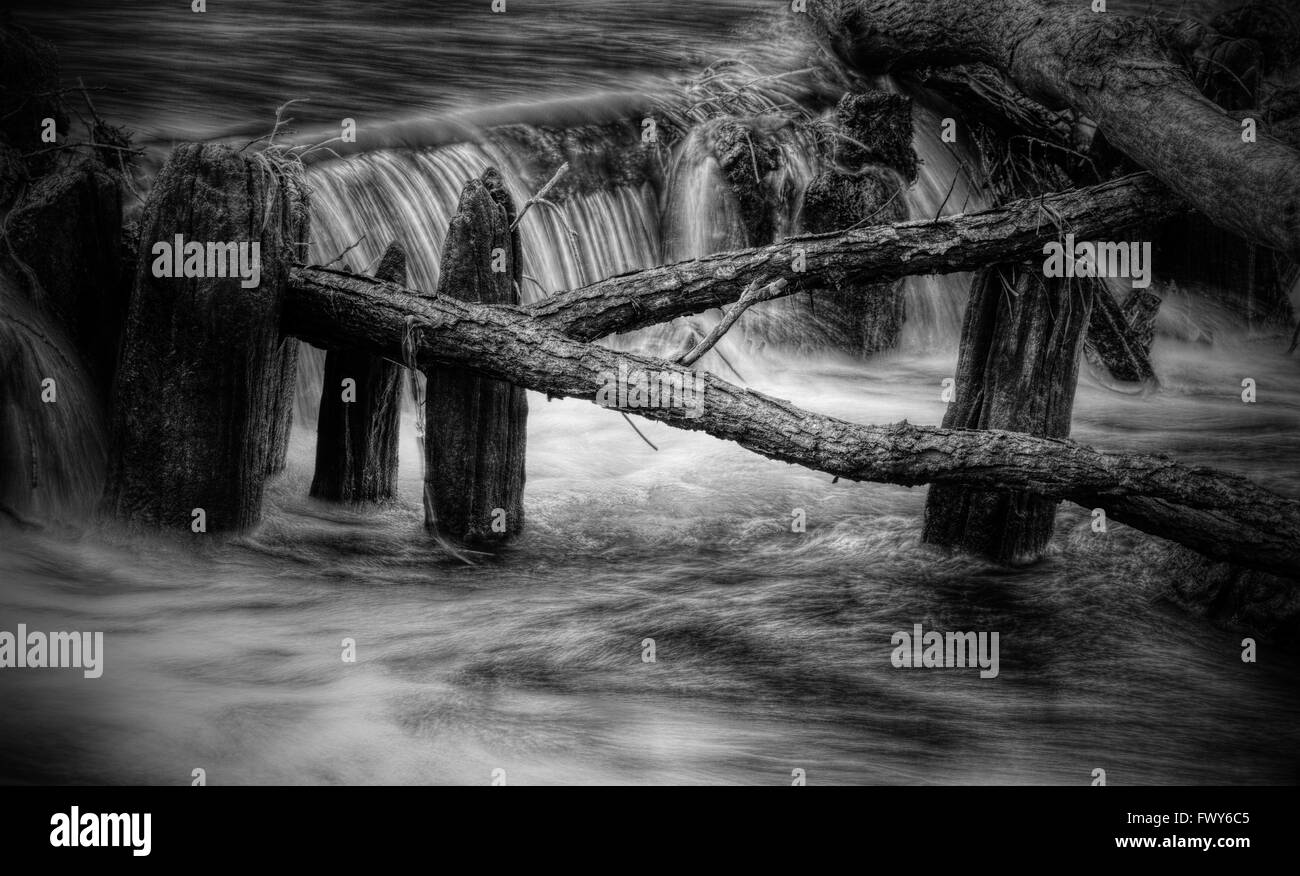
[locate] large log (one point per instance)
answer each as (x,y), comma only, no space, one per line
(878,253)
(1117,70)
(357,429)
(475,426)
(1222,515)
(1017,371)
(201,374)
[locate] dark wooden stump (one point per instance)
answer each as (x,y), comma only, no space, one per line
(877,130)
(1017,371)
(746,154)
(476,427)
(866,318)
(873,164)
(282,405)
(356,441)
(200,386)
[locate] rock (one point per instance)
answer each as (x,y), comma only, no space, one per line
(881,125)
(746,154)
(868,318)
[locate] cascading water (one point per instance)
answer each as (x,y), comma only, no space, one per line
(773,645)
(410,195)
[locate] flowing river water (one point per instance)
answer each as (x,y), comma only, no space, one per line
(772,648)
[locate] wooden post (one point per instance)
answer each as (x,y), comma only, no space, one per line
(357,430)
(476,427)
(1017,371)
(200,386)
(282,405)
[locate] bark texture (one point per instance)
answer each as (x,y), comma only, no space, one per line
(1017,371)
(476,426)
(1119,338)
(1222,515)
(199,385)
(356,441)
(1119,71)
(877,253)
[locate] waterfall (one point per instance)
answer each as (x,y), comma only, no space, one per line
(52,438)
(409,195)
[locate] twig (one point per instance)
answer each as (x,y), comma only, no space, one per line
(275,129)
(753,159)
(536,283)
(571,236)
(730,367)
(86,95)
(540,196)
(638,431)
(951,186)
(127,149)
(340,256)
(750,297)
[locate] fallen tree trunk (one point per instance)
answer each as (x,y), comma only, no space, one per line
(878,253)
(1224,516)
(1115,69)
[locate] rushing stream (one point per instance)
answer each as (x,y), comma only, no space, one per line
(772,647)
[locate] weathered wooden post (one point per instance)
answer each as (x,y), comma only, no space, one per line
(282,405)
(360,412)
(1017,371)
(476,427)
(200,390)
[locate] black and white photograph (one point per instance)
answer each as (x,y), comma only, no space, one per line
(785,393)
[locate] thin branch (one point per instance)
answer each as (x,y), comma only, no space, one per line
(61,146)
(951,186)
(751,296)
(638,431)
(339,257)
(540,196)
(275,129)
